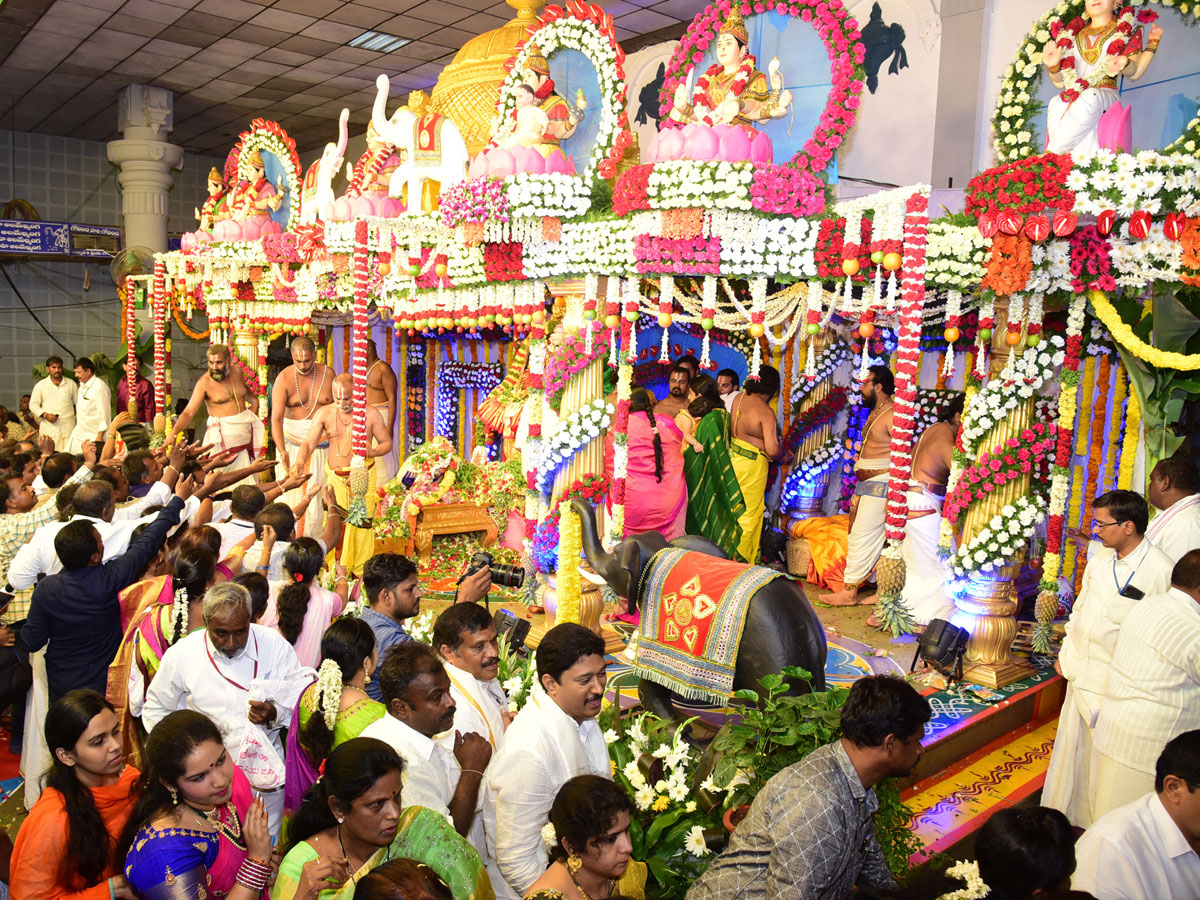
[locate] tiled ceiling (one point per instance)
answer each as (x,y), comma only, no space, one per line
(63,62)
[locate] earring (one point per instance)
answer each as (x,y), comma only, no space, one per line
(340,820)
(174,796)
(574,864)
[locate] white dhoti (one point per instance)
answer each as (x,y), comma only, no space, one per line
(1069,775)
(386,466)
(1073,127)
(312,520)
(865,541)
(243,432)
(59,432)
(1115,784)
(35,754)
(924,572)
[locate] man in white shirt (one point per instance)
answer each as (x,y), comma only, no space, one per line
(554,738)
(1175,492)
(416,692)
(93,406)
(729,387)
(1124,570)
(235,673)
(1153,689)
(1147,849)
(53,404)
(246,502)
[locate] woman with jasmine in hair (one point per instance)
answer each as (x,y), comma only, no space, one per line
(334,708)
(299,608)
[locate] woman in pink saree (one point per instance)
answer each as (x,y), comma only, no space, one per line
(655,488)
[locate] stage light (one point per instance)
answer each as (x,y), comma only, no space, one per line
(942,647)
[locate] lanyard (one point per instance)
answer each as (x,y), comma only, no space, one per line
(475,703)
(240,687)
(1121,587)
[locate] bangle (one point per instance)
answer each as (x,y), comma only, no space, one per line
(253,875)
(1054,69)
(112,893)
(472,771)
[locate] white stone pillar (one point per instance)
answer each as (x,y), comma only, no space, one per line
(144,117)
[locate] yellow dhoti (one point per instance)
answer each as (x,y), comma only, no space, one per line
(358,543)
(750,466)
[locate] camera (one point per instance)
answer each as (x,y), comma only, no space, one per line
(502,575)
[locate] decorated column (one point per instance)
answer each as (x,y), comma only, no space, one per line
(144,117)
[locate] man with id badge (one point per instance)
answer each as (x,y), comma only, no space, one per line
(1125,569)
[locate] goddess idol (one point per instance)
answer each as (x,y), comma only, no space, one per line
(1084,61)
(732,91)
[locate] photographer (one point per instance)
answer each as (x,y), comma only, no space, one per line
(393,595)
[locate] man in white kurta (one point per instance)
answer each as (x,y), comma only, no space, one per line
(1126,568)
(53,404)
(1175,493)
(1153,691)
(554,738)
(1146,850)
(93,406)
(235,673)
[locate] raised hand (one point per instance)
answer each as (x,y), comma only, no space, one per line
(257,830)
(46,443)
(90,455)
(321,874)
(472,751)
(1051,54)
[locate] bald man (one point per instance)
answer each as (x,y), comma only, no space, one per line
(334,424)
(300,391)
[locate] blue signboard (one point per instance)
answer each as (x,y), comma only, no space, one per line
(19,237)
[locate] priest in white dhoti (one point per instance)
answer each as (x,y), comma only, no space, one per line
(554,738)
(465,637)
(1175,493)
(300,390)
(1153,692)
(237,674)
(381,394)
(93,406)
(1126,569)
(52,404)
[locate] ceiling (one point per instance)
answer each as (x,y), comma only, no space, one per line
(63,62)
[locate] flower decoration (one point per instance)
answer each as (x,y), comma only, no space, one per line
(574,433)
(975,887)
(266,136)
(329,692)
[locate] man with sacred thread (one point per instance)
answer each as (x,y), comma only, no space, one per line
(300,390)
(732,91)
(335,424)
(232,424)
(1084,62)
(564,118)
(381,394)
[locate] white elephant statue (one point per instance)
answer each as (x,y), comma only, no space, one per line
(442,156)
(316,194)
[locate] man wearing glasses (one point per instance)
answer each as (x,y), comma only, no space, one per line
(1125,568)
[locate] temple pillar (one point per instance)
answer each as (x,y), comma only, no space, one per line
(145,118)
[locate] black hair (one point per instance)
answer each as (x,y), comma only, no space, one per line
(688,360)
(732,375)
(384,571)
(134,466)
(110,475)
(455,622)
(303,558)
(168,746)
(708,397)
(5,492)
(75,543)
(86,364)
(350,771)
(50,360)
(765,383)
(192,467)
(403,879)
(93,498)
(6,457)
(260,592)
(57,469)
(21,460)
(1179,469)
(583,811)
(641,400)
(66,501)
(680,367)
(247,501)
(1181,758)
(563,646)
(953,408)
(526,87)
(349,642)
(1186,573)
(1025,850)
(879,705)
(89,847)
(1125,506)
(883,377)
(280,517)
(404,664)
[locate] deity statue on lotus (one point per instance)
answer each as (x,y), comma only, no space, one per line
(257,198)
(528,124)
(1084,61)
(563,117)
(732,91)
(216,207)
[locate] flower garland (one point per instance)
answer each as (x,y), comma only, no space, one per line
(476,200)
(570,358)
(1001,539)
(544,548)
(1002,395)
(266,136)
(1133,418)
(821,413)
(741,78)
(620,450)
(1115,429)
(842,38)
(1073,83)
(328,692)
(1009,264)
(159,303)
(806,474)
(1096,452)
(1026,186)
(573,434)
(570,581)
(695,184)
(1124,335)
(968,871)
(1017,457)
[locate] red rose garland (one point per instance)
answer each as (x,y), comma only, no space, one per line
(160,336)
(362,297)
(740,79)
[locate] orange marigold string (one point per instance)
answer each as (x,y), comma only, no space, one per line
(1095,460)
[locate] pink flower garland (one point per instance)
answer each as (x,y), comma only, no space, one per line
(131,360)
(160,336)
(358,370)
(678,256)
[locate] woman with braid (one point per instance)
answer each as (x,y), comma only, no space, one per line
(655,491)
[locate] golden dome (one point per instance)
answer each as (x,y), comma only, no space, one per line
(467,88)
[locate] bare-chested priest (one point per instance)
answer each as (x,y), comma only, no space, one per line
(335,424)
(679,384)
(299,392)
(869,504)
(755,443)
(233,423)
(925,578)
(381,394)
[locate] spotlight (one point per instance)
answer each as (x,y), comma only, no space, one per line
(942,647)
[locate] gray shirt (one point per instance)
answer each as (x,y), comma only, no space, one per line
(808,836)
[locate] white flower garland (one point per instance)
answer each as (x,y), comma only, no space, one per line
(572,435)
(957,256)
(1004,536)
(177,623)
(1001,395)
(968,871)
(329,692)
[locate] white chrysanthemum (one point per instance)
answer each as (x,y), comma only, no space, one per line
(644,798)
(694,843)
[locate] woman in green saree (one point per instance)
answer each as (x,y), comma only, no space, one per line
(352,821)
(714,498)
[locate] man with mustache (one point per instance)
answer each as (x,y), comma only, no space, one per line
(678,385)
(554,738)
(232,423)
(416,692)
(300,390)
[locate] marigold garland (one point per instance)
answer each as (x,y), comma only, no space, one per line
(1089,384)
(1009,264)
(1133,418)
(570,582)
(1123,335)
(1113,445)
(1095,457)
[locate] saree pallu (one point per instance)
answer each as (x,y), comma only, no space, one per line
(144,608)
(650,504)
(750,465)
(714,497)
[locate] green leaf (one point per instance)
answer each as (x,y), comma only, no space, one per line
(637,838)
(746,694)
(663,821)
(771,682)
(662,874)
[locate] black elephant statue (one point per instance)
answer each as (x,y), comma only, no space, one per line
(781,628)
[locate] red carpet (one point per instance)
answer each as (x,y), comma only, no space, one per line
(10,765)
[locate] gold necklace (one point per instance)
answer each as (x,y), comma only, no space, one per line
(586,896)
(231,830)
